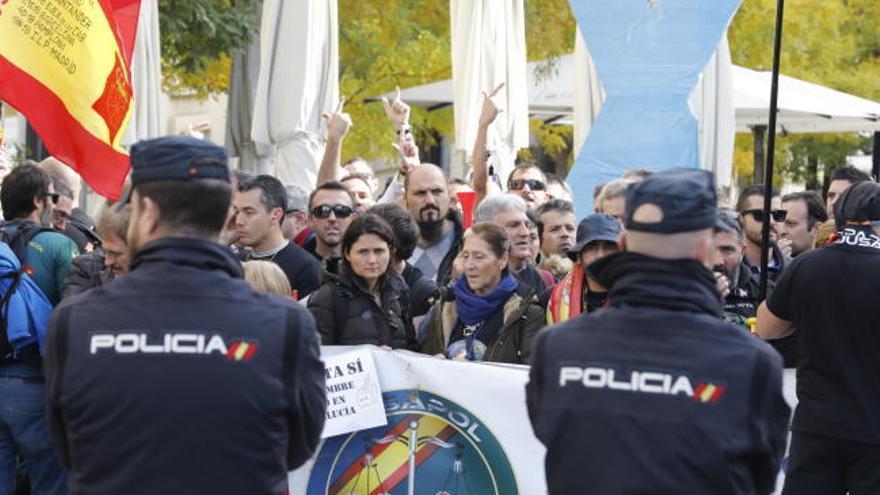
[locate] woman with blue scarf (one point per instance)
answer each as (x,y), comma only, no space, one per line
(488,315)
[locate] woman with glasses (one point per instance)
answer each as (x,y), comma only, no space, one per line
(362,299)
(488,315)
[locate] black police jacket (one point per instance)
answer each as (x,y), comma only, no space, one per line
(178,378)
(656,394)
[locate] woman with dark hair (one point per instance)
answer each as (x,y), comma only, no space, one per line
(362,299)
(488,315)
(422,290)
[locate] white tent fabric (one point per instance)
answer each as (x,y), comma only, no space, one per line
(299,80)
(146,70)
(712,103)
(588,92)
(803,106)
(252,157)
(488,48)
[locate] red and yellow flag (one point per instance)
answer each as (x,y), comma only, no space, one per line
(65,65)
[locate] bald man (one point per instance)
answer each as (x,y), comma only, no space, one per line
(440,230)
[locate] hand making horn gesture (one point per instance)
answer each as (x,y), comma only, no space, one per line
(409,156)
(396,110)
(338,123)
(490,109)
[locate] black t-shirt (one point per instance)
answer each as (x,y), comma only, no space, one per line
(830,295)
(301,268)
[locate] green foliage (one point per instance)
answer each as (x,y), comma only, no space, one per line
(407,42)
(197,37)
(382,45)
(386,44)
(832,43)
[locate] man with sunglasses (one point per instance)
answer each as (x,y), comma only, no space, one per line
(27,197)
(331,209)
(259,207)
(750,206)
(529,182)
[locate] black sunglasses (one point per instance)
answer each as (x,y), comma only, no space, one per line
(54,197)
(534,184)
(323,211)
(758,214)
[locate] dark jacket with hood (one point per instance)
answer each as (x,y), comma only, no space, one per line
(347,314)
(179,378)
(655,393)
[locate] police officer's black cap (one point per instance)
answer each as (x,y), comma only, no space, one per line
(595,227)
(176,158)
(686,198)
(859,204)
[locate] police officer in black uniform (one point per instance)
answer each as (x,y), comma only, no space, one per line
(656,393)
(178,378)
(830,296)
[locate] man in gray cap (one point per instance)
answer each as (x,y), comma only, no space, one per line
(179,378)
(830,296)
(578,293)
(656,393)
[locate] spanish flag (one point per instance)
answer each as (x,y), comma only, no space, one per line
(65,65)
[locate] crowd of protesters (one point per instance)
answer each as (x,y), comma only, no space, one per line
(394,266)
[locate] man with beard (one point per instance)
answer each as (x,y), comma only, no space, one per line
(742,285)
(750,206)
(440,230)
(691,404)
(331,209)
(27,197)
(194,382)
(259,207)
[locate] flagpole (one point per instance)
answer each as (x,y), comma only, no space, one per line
(771,149)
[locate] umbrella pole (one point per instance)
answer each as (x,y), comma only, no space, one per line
(771,148)
(758,133)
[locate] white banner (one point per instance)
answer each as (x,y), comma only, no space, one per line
(453,428)
(459,427)
(354,397)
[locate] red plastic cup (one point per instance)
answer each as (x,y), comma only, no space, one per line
(467,199)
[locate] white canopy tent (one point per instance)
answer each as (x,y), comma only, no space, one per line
(803,106)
